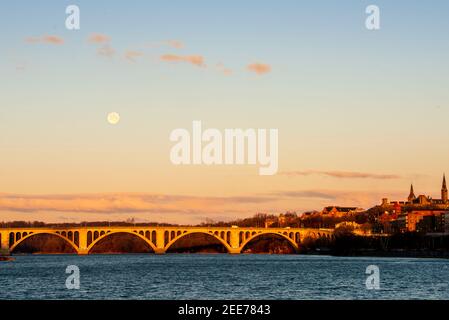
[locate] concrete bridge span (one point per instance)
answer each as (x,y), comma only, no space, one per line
(160,239)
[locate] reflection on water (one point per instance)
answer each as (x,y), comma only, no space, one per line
(222,276)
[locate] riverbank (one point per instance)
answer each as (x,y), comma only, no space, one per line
(404,245)
(3,258)
(394,253)
(322,252)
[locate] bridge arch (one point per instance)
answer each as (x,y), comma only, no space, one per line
(280,234)
(107,234)
(213,235)
(29,235)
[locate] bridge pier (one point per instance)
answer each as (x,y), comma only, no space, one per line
(82,248)
(160,242)
(4,243)
(234,242)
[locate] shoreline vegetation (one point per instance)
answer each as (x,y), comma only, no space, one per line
(6,258)
(365,254)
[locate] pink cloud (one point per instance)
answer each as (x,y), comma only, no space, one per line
(98,38)
(176,208)
(342,174)
(259,68)
(221,67)
(106,51)
(132,55)
(325,197)
(119,202)
(175,44)
(47,39)
(196,60)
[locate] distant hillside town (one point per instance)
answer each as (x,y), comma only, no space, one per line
(421,214)
(418,213)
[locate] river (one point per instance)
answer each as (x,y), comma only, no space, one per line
(222,276)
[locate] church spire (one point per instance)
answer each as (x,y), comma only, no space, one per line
(444,190)
(411,196)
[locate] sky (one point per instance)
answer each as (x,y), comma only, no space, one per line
(361,114)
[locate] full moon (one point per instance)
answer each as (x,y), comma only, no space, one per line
(113,118)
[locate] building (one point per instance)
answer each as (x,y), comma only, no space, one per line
(400,225)
(416,214)
(388,222)
(422,221)
(430,224)
(414,217)
(445,221)
(420,200)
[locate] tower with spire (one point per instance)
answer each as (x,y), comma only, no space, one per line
(444,190)
(411,196)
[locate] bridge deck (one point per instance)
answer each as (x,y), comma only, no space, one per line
(159,238)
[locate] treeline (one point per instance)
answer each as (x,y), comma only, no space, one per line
(410,244)
(40,224)
(258,220)
(293,220)
(289,219)
(366,219)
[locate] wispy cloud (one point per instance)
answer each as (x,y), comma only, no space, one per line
(21,67)
(310,194)
(131,55)
(176,208)
(106,51)
(175,44)
(119,202)
(98,38)
(104,48)
(46,39)
(259,68)
(223,69)
(196,60)
(319,198)
(341,174)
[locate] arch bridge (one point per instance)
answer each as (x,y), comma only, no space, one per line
(160,239)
